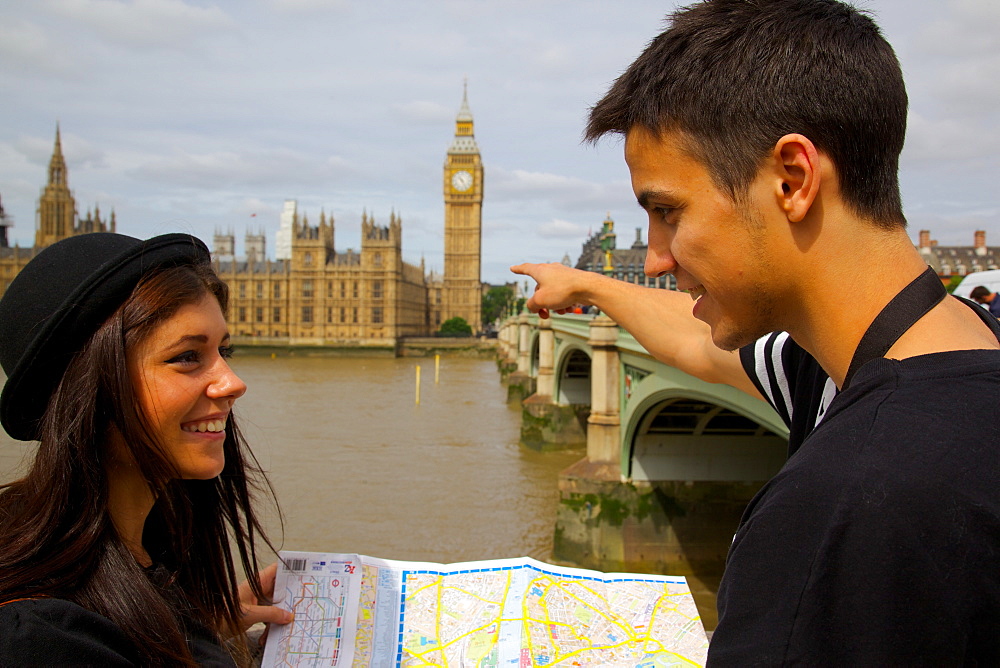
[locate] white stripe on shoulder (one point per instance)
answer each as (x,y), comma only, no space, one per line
(760,366)
(780,339)
(829,392)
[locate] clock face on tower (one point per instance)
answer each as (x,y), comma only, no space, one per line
(461,181)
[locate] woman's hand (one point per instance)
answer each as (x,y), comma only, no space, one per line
(254,613)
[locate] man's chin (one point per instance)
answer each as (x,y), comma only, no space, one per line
(730,339)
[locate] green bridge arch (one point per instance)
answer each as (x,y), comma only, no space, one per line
(729,435)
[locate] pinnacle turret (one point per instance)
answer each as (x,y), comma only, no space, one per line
(464,141)
(57,164)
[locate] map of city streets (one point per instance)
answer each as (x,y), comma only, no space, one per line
(533,614)
(506,612)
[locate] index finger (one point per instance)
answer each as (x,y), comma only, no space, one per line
(524,268)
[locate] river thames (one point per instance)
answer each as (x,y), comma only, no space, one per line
(359,467)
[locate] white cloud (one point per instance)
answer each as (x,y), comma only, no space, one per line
(308,6)
(144,23)
(26,45)
(935,141)
(520,181)
(561,229)
(268,168)
(422,111)
(962,28)
(969,87)
(195,112)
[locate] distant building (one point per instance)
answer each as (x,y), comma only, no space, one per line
(314,294)
(5,224)
(283,243)
(55,219)
(600,254)
(324,297)
(951,261)
(463,223)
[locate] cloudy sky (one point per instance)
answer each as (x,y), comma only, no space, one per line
(193,115)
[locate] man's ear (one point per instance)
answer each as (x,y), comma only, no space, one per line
(798,174)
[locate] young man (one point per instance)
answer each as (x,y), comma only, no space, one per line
(762,138)
(982,295)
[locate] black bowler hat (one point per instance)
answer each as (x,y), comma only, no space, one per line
(57,302)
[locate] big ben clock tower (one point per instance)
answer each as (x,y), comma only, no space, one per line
(463,223)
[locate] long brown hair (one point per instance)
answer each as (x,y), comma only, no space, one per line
(58,537)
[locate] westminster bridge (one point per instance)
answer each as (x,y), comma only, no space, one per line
(671,460)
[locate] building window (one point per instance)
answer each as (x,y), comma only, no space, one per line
(329,289)
(277,314)
(243,289)
(242,313)
(260,290)
(259,315)
(377,289)
(355,316)
(343,290)
(307,314)
(343,314)
(378,259)
(329,314)
(355,292)
(309,258)
(377,314)
(277,290)
(307,288)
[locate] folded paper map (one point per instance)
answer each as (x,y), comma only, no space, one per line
(358,611)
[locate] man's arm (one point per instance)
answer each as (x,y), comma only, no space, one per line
(660,320)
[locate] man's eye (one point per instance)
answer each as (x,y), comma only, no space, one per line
(186,357)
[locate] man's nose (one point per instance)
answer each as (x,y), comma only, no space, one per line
(659,261)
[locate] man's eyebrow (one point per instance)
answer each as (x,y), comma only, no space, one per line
(664,196)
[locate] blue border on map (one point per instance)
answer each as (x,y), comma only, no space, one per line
(402,597)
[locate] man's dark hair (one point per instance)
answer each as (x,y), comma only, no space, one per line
(734,76)
(979,292)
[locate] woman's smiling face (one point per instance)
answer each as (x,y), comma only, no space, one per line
(185,387)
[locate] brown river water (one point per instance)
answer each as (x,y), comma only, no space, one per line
(359,467)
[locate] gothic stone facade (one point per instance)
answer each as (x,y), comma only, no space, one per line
(55,219)
(321,297)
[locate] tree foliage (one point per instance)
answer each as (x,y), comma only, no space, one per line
(456,326)
(495,301)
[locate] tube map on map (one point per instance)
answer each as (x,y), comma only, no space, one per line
(359,612)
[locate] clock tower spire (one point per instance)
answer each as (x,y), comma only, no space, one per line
(463,222)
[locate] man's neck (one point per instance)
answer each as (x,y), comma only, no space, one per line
(846,290)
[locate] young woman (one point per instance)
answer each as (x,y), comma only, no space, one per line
(117,545)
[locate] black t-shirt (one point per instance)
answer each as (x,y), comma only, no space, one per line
(878,543)
(792,381)
(55,632)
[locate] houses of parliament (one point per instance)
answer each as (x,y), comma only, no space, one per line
(312,293)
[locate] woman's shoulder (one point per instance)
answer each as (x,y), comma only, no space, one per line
(51,631)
